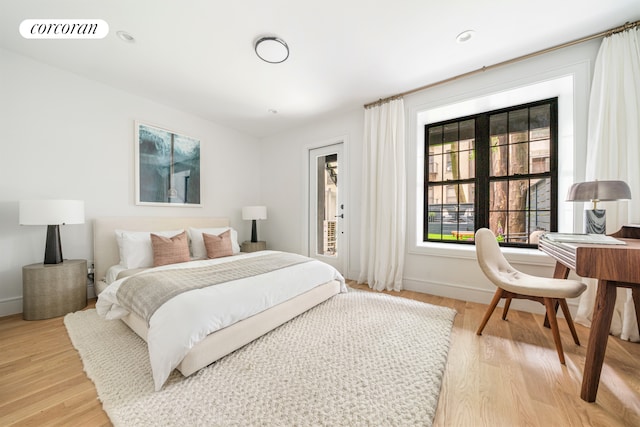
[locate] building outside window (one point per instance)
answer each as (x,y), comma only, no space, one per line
(496,169)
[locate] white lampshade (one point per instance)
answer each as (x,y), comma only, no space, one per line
(254,212)
(51,212)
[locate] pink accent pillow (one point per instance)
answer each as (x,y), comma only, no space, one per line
(170,250)
(218,246)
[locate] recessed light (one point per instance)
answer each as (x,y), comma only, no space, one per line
(273,50)
(465,36)
(124,36)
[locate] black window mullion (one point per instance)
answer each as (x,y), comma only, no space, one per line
(482,148)
(425,190)
(553,164)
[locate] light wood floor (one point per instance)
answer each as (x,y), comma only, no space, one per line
(510,376)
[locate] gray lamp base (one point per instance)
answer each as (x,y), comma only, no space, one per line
(595,221)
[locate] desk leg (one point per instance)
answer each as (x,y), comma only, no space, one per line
(635,293)
(598,336)
(561,272)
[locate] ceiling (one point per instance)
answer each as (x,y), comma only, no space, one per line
(197,55)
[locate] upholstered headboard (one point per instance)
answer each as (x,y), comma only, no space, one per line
(105,247)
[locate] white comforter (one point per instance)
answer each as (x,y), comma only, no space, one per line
(188,318)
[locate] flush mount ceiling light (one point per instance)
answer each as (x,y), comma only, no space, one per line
(124,36)
(465,36)
(272,49)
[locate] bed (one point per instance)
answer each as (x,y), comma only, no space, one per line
(213,345)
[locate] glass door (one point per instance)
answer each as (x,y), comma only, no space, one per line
(326,207)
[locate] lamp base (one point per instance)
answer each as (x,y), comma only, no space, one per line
(595,221)
(254,231)
(53,249)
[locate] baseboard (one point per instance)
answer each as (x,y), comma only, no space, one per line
(91,292)
(478,295)
(11,306)
(352,275)
(449,290)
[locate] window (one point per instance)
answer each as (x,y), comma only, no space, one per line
(496,169)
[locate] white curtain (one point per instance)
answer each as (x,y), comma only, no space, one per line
(383,197)
(613,153)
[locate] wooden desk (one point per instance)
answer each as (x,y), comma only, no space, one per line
(614,266)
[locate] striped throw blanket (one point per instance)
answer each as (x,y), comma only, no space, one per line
(144,293)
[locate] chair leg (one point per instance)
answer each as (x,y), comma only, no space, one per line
(489,312)
(546,317)
(553,323)
(567,315)
(505,310)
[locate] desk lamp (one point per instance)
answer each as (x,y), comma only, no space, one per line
(595,221)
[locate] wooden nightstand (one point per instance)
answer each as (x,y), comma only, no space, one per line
(253,246)
(52,290)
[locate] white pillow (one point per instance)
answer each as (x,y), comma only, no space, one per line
(198,251)
(135,247)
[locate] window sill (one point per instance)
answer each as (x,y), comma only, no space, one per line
(458,251)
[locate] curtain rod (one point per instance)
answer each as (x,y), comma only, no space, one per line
(606,33)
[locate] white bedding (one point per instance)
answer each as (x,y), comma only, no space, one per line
(188,318)
(113,272)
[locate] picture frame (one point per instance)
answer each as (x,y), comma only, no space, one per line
(167,167)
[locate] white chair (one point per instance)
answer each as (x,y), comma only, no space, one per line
(512,283)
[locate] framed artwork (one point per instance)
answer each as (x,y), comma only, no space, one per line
(167,167)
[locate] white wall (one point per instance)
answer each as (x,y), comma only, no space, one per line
(435,269)
(67,137)
(284,183)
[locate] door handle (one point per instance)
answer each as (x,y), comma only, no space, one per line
(339,216)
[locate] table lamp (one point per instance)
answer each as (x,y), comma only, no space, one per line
(52,213)
(595,221)
(254,213)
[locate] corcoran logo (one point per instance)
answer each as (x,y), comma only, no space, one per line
(64,29)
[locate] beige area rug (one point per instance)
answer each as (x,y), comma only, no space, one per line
(360,358)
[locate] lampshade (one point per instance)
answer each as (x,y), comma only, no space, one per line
(598,191)
(254,212)
(51,212)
